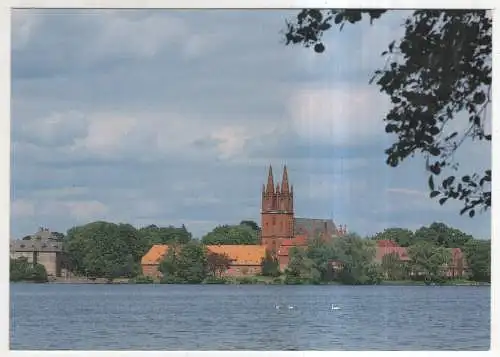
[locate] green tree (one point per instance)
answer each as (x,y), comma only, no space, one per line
(478,254)
(392,266)
(439,70)
(104,250)
(442,235)
(401,236)
(57,236)
(169,265)
(251,224)
(357,255)
(270,265)
(165,235)
(428,260)
(226,234)
(185,265)
(300,268)
(21,270)
(322,252)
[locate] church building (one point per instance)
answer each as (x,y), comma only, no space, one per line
(280,231)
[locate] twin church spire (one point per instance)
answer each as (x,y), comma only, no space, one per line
(271,189)
(279,197)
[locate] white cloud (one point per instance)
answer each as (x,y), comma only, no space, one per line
(107,134)
(22,208)
(141,37)
(56,129)
(339,114)
(81,211)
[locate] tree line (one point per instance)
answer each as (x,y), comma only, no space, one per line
(428,249)
(109,250)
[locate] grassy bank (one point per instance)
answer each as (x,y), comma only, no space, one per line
(254,280)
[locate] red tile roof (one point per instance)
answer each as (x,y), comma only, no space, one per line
(384,250)
(155,254)
(386,243)
(241,254)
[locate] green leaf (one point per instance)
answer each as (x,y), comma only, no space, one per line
(434,194)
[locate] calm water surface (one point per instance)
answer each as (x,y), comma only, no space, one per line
(244,317)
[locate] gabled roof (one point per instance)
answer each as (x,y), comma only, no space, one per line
(155,254)
(384,250)
(313,227)
(241,254)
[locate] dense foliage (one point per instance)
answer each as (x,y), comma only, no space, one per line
(270,265)
(251,224)
(236,234)
(105,250)
(108,250)
(478,253)
(438,78)
(153,234)
(187,265)
(21,270)
(437,233)
(314,263)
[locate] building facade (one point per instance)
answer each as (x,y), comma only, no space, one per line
(42,248)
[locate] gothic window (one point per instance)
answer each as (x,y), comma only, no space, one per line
(274,220)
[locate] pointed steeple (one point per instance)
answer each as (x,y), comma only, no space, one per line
(284,183)
(278,188)
(270,181)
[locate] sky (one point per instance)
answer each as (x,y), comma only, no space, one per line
(172,117)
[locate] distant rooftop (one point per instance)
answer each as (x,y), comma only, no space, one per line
(43,241)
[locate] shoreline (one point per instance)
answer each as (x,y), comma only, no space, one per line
(101,281)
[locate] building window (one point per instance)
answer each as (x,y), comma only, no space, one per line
(274,220)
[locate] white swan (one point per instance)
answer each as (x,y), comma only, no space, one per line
(335,307)
(290,307)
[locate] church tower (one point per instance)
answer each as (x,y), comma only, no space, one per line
(277,212)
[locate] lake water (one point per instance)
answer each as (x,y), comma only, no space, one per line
(244,317)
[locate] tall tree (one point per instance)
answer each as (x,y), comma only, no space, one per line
(439,70)
(401,236)
(237,234)
(392,266)
(441,235)
(478,253)
(428,260)
(185,265)
(165,235)
(217,263)
(270,265)
(251,224)
(102,249)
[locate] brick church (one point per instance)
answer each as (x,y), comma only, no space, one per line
(280,231)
